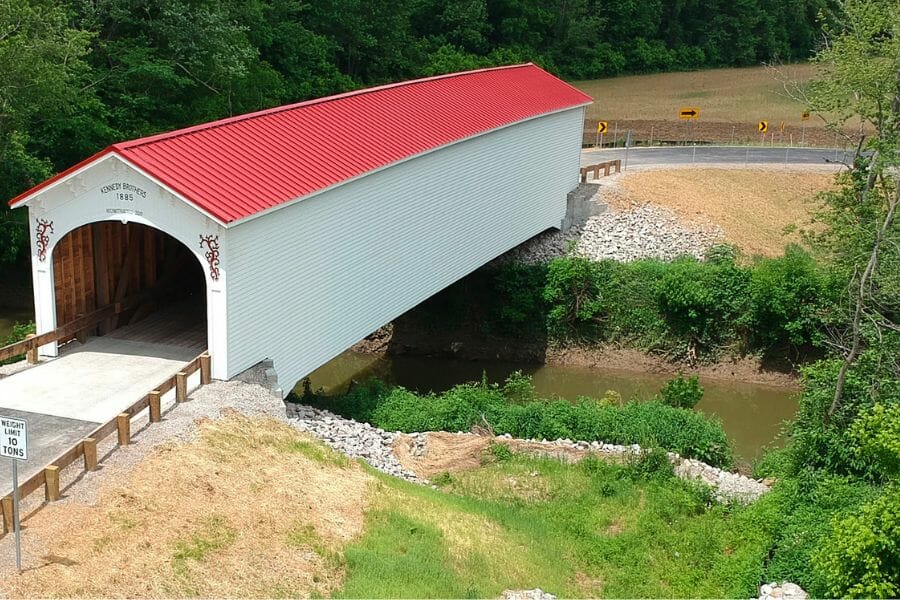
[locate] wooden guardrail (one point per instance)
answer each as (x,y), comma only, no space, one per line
(606,166)
(77,327)
(48,477)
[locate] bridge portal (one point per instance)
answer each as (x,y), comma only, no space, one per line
(159,278)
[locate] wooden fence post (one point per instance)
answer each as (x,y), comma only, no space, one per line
(51,483)
(7,505)
(123,426)
(181,387)
(153,398)
(205,369)
(32,354)
(89,446)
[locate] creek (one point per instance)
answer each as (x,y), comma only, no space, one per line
(752,414)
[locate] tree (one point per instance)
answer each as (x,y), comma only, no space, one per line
(42,70)
(860,79)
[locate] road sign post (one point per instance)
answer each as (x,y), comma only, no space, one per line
(803,119)
(762,127)
(602,126)
(627,144)
(14,445)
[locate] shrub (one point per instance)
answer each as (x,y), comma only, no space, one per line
(830,443)
(787,298)
(573,295)
(861,558)
(500,452)
(876,437)
(464,406)
(807,506)
(18,333)
(652,464)
(517,296)
(682,392)
(705,304)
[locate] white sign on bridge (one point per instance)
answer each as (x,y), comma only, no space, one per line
(13,438)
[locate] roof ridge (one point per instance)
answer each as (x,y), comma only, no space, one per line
(126,145)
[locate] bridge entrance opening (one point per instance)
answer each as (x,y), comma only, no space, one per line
(156,280)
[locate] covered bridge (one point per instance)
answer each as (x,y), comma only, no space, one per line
(291,233)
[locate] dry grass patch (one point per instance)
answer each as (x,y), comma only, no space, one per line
(252,508)
(444,453)
(758,210)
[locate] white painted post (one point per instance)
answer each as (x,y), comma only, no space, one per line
(615,134)
(44,295)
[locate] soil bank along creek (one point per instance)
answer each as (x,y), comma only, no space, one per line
(752,414)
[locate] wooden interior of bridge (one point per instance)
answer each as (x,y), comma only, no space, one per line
(104,263)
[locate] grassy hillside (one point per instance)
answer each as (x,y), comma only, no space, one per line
(253,508)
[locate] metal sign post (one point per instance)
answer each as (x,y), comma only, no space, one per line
(14,445)
(627,144)
(601,129)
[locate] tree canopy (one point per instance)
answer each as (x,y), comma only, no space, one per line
(78,75)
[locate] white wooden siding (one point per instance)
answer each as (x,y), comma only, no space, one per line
(307,281)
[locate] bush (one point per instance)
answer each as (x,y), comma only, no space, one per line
(807,506)
(18,333)
(831,443)
(652,465)
(464,406)
(686,308)
(682,392)
(705,304)
(861,558)
(573,295)
(876,437)
(517,295)
(787,298)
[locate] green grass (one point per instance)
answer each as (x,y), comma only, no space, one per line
(214,534)
(319,453)
(586,530)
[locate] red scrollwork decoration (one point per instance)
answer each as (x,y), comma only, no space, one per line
(211,243)
(43,238)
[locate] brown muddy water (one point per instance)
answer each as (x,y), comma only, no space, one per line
(751,414)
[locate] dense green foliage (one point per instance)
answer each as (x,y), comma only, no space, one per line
(684,309)
(18,333)
(79,75)
(511,409)
(807,506)
(841,525)
(861,558)
(682,392)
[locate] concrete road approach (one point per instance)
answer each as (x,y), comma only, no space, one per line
(66,398)
(736,155)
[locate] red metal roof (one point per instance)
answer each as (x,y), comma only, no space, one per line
(236,167)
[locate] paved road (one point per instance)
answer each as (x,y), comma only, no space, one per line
(66,398)
(679,155)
